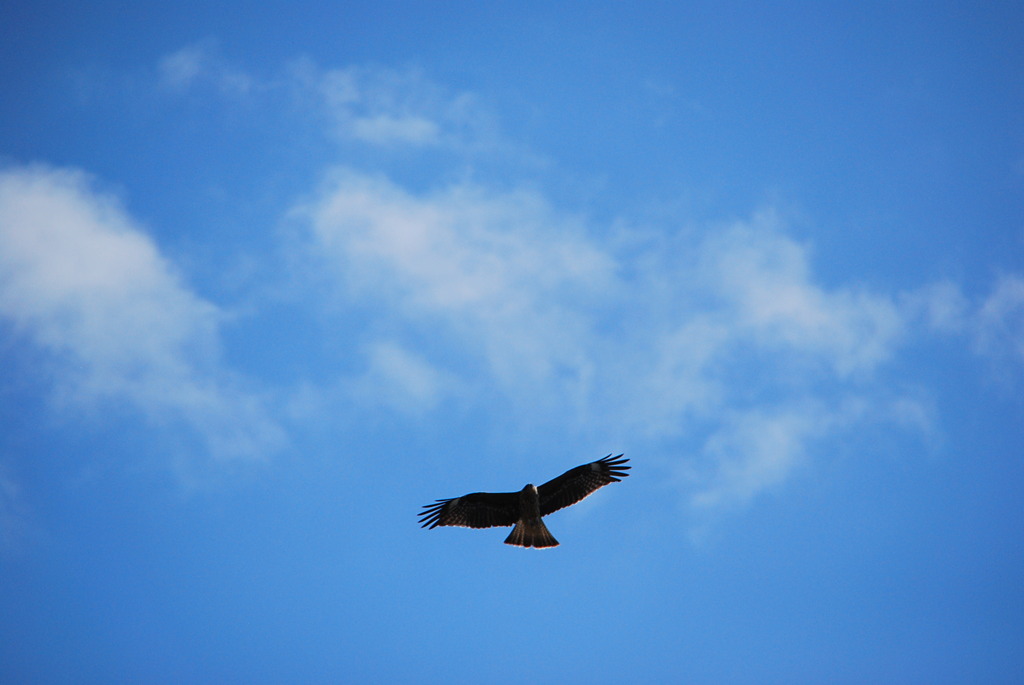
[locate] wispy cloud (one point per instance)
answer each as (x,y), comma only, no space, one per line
(755,450)
(400,379)
(766,280)
(992,324)
(480,263)
(721,341)
(201,63)
(379,106)
(941,306)
(14,524)
(392,107)
(81,279)
(723,334)
(1000,320)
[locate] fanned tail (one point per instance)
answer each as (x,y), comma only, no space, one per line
(531,534)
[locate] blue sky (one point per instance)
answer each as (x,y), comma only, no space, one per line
(273,276)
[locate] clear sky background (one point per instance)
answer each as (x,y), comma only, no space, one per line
(275,275)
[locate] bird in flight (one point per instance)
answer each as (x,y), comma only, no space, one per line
(525,508)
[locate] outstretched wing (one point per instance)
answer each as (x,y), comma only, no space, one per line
(477,510)
(575,484)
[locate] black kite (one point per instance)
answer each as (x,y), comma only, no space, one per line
(525,508)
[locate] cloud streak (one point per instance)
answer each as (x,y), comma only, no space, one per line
(766,281)
(81,280)
(378,106)
(14,520)
(477,262)
(722,334)
(201,64)
(392,107)
(999,329)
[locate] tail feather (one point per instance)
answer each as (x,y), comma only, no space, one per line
(531,534)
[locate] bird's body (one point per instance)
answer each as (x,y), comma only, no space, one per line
(530,530)
(524,509)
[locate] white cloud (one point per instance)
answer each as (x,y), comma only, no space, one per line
(379,106)
(993,324)
(384,129)
(766,278)
(14,524)
(674,377)
(81,280)
(181,69)
(395,107)
(725,335)
(755,450)
(1000,320)
(401,379)
(481,263)
(941,305)
(200,63)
